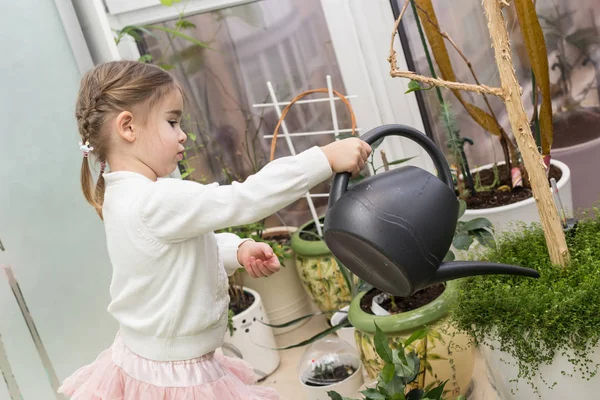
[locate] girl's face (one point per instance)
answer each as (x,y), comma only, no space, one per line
(161,145)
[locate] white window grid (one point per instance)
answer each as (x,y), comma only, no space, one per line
(336,131)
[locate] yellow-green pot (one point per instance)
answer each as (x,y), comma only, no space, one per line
(320,273)
(445,354)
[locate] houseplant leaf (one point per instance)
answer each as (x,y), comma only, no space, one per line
(382,345)
(440,53)
(533,36)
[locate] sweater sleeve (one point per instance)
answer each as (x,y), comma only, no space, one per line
(228,250)
(175,210)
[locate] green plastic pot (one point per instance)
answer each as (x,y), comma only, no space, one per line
(320,273)
(445,354)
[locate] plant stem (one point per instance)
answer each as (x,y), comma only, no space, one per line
(534,163)
(460,155)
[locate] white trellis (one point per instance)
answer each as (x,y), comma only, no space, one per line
(336,131)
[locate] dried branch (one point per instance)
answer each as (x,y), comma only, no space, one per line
(395,72)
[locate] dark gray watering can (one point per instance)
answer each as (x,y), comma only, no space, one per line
(394,229)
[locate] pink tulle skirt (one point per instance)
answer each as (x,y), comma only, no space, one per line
(119,374)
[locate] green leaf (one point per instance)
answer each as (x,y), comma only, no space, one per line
(449,256)
(146,58)
(179,35)
(169,3)
(382,345)
(433,356)
(409,370)
(292,322)
(401,161)
(417,335)
(187,173)
(477,223)
(185,24)
(485,238)
(415,394)
(462,241)
(437,392)
(373,394)
(462,207)
(398,396)
(166,67)
(192,136)
(334,396)
(413,86)
(387,373)
(398,356)
(393,387)
(316,337)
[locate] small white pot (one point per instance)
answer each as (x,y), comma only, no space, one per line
(347,388)
(252,340)
(346,334)
(502,370)
(282,293)
(526,211)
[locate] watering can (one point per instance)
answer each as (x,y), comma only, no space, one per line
(394,229)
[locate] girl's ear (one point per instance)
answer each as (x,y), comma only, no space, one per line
(124,125)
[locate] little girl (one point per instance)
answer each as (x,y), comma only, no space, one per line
(169,285)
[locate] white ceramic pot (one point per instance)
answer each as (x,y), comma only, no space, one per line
(526,211)
(346,334)
(502,371)
(584,163)
(252,340)
(282,293)
(347,388)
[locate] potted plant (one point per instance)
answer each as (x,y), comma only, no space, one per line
(540,337)
(249,336)
(423,318)
(500,192)
(396,380)
(319,270)
(330,364)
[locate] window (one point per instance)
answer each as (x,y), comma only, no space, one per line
(281,41)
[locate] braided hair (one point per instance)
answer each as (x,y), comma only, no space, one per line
(105,91)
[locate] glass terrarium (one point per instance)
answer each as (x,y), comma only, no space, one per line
(327,362)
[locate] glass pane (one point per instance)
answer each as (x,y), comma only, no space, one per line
(573,44)
(285,42)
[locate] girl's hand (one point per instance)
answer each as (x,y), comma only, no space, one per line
(347,155)
(258,259)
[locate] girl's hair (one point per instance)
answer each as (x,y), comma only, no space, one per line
(105,91)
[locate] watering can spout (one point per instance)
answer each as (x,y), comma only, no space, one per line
(463,269)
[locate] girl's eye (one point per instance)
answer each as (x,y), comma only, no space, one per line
(173,123)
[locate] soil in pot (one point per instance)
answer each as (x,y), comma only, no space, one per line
(497,198)
(240,303)
(330,376)
(309,233)
(403,304)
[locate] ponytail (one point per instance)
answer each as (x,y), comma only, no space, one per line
(94,196)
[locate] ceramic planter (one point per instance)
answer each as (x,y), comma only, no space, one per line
(347,388)
(503,372)
(320,273)
(526,211)
(445,354)
(583,160)
(282,293)
(252,340)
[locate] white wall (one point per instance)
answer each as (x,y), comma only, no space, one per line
(53,238)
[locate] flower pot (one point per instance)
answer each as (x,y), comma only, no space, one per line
(252,340)
(445,354)
(503,372)
(332,353)
(526,211)
(320,273)
(583,162)
(282,293)
(346,334)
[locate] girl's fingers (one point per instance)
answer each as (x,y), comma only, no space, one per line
(263,269)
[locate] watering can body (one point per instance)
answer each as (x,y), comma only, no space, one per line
(394,229)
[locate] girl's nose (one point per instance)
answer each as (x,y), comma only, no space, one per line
(182,137)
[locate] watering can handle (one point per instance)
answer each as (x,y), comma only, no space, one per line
(340,181)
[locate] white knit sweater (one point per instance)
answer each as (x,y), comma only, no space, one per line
(169,284)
